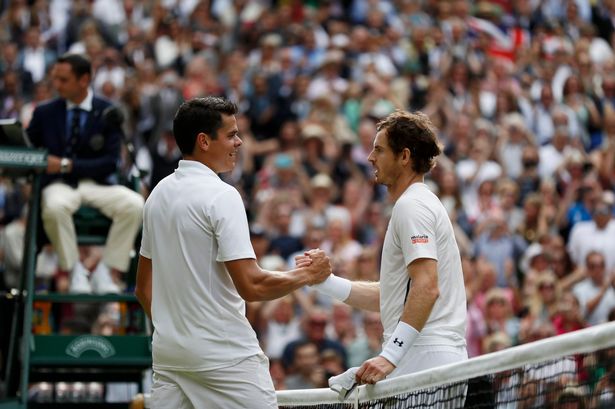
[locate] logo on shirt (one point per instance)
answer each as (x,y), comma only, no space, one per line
(419,239)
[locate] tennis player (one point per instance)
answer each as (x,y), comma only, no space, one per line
(196,268)
(421,294)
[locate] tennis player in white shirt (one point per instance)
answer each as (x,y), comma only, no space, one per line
(421,294)
(196,268)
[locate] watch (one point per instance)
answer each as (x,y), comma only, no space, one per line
(64,165)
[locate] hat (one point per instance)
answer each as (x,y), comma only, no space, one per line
(333,57)
(575,156)
(283,161)
(313,131)
(272,40)
(515,120)
(546,278)
(321,180)
(534,250)
(482,124)
(608,198)
(495,294)
(340,40)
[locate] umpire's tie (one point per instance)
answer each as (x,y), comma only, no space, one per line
(75,131)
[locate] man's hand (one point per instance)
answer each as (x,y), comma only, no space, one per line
(53,164)
(374,370)
(303,260)
(320,266)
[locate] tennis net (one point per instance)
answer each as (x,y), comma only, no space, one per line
(574,370)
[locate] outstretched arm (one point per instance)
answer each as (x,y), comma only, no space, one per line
(364,295)
(255,284)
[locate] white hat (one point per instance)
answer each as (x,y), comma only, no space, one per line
(534,250)
(321,180)
(340,40)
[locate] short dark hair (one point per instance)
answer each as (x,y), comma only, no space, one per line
(80,65)
(415,132)
(200,115)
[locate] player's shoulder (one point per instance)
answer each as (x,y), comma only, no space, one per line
(418,194)
(226,192)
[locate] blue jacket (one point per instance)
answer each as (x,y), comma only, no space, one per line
(97,153)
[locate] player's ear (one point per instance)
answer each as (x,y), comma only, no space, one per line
(203,141)
(406,156)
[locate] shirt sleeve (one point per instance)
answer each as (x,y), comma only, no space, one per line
(415,228)
(231,229)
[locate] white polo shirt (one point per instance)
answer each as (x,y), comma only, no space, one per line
(420,228)
(192,223)
(586,237)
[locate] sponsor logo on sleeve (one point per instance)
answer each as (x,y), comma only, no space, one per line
(419,239)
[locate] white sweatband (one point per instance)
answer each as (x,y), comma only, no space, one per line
(400,342)
(336,287)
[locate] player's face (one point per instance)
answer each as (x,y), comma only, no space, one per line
(67,84)
(225,147)
(385,163)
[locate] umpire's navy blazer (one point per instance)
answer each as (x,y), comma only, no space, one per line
(97,152)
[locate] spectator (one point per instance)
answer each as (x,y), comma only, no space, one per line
(314,324)
(281,325)
(601,229)
(595,293)
(369,344)
(511,139)
(502,248)
(568,316)
(499,315)
(305,366)
(475,170)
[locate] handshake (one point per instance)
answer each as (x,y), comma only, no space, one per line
(317,264)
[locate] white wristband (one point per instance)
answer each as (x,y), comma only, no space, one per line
(400,342)
(336,287)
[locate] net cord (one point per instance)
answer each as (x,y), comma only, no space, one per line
(582,341)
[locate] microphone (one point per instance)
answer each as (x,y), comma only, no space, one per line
(113,116)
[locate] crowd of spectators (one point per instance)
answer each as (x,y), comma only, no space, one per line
(522,92)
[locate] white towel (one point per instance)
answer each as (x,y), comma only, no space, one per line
(344,383)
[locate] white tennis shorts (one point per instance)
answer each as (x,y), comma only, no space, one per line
(247,384)
(422,357)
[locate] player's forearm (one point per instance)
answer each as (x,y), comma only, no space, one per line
(275,284)
(365,296)
(420,302)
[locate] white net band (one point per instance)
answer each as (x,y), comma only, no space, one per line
(551,349)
